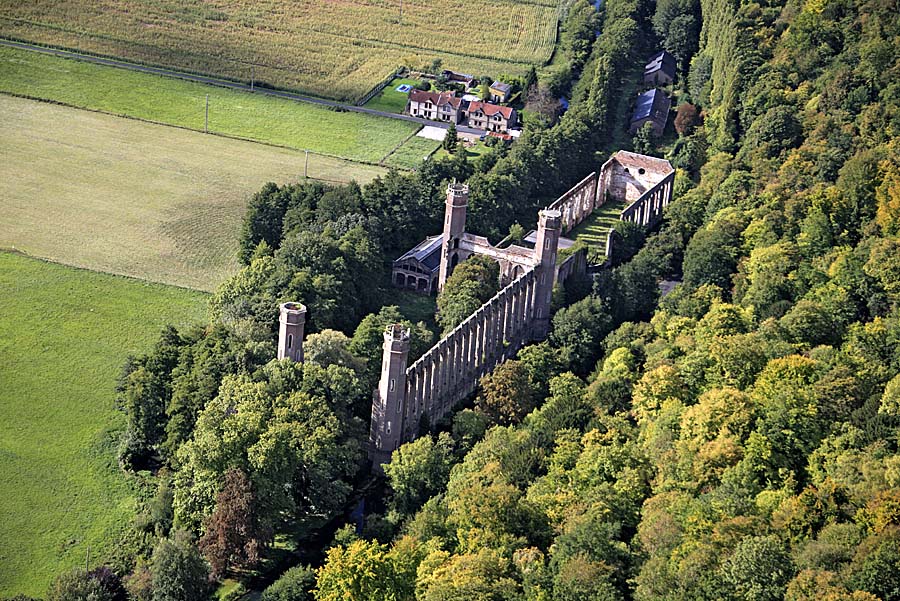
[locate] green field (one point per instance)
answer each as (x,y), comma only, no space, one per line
(411,154)
(389,99)
(593,230)
(134,198)
(65,334)
(299,125)
(330,48)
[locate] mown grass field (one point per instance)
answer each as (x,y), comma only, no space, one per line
(300,125)
(65,334)
(331,48)
(411,154)
(134,198)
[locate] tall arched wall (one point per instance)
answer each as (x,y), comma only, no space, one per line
(647,210)
(579,202)
(449,371)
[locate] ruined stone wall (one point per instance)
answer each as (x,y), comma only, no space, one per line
(579,202)
(647,209)
(519,313)
(450,370)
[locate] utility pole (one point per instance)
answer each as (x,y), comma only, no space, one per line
(306,167)
(251,78)
(206,122)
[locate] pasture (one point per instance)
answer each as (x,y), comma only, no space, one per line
(135,198)
(334,49)
(411,153)
(299,125)
(66,333)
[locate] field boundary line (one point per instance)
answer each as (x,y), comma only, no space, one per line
(397,147)
(198,131)
(12,250)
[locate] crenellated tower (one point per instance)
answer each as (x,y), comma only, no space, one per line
(546,248)
(454,230)
(390,399)
(291,322)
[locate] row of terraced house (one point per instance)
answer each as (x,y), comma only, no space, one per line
(447,107)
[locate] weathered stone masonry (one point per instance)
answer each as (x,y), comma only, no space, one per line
(518,314)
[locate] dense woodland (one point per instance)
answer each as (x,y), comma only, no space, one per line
(735,439)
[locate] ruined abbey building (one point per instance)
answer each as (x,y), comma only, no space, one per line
(517,315)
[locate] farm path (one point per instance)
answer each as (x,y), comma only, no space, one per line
(110,62)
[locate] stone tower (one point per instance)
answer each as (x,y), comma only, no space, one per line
(390,399)
(290,331)
(454,229)
(546,246)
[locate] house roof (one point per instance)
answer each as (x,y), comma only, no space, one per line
(661,61)
(427,252)
(650,103)
(453,76)
(436,98)
(503,87)
(490,109)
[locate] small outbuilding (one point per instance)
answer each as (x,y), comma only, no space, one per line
(652,107)
(465,79)
(660,71)
(500,92)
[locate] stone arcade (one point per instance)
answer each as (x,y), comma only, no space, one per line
(518,314)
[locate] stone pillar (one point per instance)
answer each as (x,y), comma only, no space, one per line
(546,246)
(428,386)
(498,330)
(454,229)
(460,360)
(412,404)
(291,322)
(386,433)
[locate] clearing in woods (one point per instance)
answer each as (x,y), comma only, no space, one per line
(66,333)
(299,125)
(134,198)
(330,48)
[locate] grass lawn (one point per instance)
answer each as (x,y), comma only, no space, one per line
(322,47)
(300,125)
(389,99)
(593,230)
(411,154)
(473,152)
(65,335)
(134,198)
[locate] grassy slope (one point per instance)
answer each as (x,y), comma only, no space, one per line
(65,334)
(134,198)
(354,136)
(594,229)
